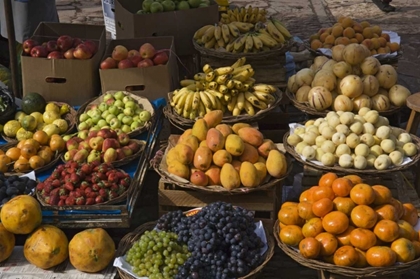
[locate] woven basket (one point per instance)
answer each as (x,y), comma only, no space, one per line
(414,159)
(127,159)
(140,101)
(117,200)
(184,123)
(306,108)
(53,161)
(159,168)
(70,118)
(128,240)
(365,272)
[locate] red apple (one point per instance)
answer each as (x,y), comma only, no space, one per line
(52,46)
(69,54)
(39,51)
(135,59)
(77,41)
(119,53)
(126,63)
(28,45)
(133,52)
(108,63)
(145,63)
(65,42)
(92,46)
(160,58)
(147,51)
(55,55)
(82,52)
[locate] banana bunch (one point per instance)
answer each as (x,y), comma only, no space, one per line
(218,36)
(249,15)
(229,88)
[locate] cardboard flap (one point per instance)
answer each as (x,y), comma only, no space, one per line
(81,31)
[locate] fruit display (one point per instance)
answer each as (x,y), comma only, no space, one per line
(160,6)
(65,47)
(346,222)
(243,37)
(351,80)
(347,31)
(231,156)
(244,14)
(37,115)
(221,242)
(83,184)
(145,56)
(103,146)
(229,88)
(13,185)
(359,141)
(119,112)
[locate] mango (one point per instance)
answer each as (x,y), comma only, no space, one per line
(262,159)
(215,140)
(203,158)
(213,118)
(200,129)
(213,173)
(221,157)
(203,143)
(237,165)
(185,154)
(184,135)
(171,156)
(249,175)
(225,129)
(261,170)
(266,147)
(237,126)
(179,169)
(250,154)
(229,177)
(234,145)
(276,163)
(191,141)
(251,136)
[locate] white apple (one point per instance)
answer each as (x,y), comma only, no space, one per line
(382,162)
(356,127)
(293,139)
(300,146)
(328,159)
(352,140)
(387,145)
(347,118)
(345,161)
(328,132)
(338,138)
(341,128)
(376,150)
(367,139)
(328,146)
(396,157)
(370,159)
(383,132)
(342,149)
(363,111)
(362,150)
(360,162)
(319,140)
(410,149)
(309,152)
(405,137)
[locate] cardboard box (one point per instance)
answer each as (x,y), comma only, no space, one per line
(180,24)
(71,81)
(151,82)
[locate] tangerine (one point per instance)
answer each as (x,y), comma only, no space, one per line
(291,235)
(13,153)
(344,238)
(410,214)
(335,222)
(342,187)
(327,179)
(313,227)
(386,230)
(305,210)
(387,212)
(380,256)
(344,204)
(404,249)
(362,238)
(362,194)
(382,194)
(321,207)
(320,192)
(345,256)
(328,243)
(310,248)
(364,217)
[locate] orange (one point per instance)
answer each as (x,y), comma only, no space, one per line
(362,194)
(13,153)
(406,230)
(28,151)
(41,137)
(328,243)
(363,216)
(322,207)
(289,203)
(291,235)
(398,206)
(327,179)
(310,248)
(290,216)
(387,230)
(305,210)
(410,214)
(387,212)
(355,179)
(335,222)
(313,227)
(344,238)
(320,192)
(361,261)
(345,256)
(342,187)
(344,204)
(380,256)
(306,195)
(404,249)
(362,238)
(382,194)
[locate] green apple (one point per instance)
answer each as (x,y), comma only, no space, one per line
(145,116)
(126,129)
(130,104)
(105,114)
(135,125)
(127,120)
(83,117)
(83,134)
(113,110)
(136,118)
(127,99)
(107,97)
(119,95)
(83,126)
(119,104)
(89,122)
(115,123)
(93,112)
(109,117)
(120,116)
(118,131)
(102,123)
(103,107)
(106,127)
(96,118)
(138,111)
(94,128)
(128,111)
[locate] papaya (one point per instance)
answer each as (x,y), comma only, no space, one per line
(276,163)
(251,136)
(191,141)
(200,129)
(213,118)
(225,129)
(229,177)
(184,135)
(203,158)
(234,145)
(249,175)
(7,243)
(185,153)
(261,170)
(179,169)
(237,126)
(215,139)
(171,156)
(250,154)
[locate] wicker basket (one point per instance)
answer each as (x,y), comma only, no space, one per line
(140,100)
(414,159)
(127,159)
(128,240)
(159,166)
(184,123)
(70,118)
(365,272)
(306,108)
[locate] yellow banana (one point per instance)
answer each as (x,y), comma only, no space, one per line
(241,100)
(246,18)
(211,98)
(196,100)
(199,85)
(280,26)
(230,84)
(243,76)
(236,111)
(193,114)
(211,43)
(226,33)
(234,92)
(225,16)
(207,68)
(210,76)
(267,40)
(223,70)
(255,101)
(265,97)
(243,26)
(221,43)
(249,42)
(240,62)
(218,103)
(227,98)
(238,84)
(236,14)
(242,13)
(249,108)
(177,97)
(200,32)
(258,44)
(249,10)
(208,34)
(186,82)
(240,43)
(223,89)
(234,31)
(191,86)
(256,10)
(218,32)
(178,110)
(188,105)
(275,33)
(253,18)
(181,102)
(230,46)
(216,94)
(222,79)
(200,76)
(264,88)
(250,81)
(251,72)
(232,103)
(245,87)
(206,100)
(241,68)
(260,18)
(201,109)
(212,85)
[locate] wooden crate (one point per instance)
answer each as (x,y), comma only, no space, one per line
(265,203)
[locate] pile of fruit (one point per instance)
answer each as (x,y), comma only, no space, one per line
(47,246)
(229,88)
(146,56)
(349,81)
(243,14)
(13,185)
(37,115)
(231,156)
(83,184)
(118,112)
(240,36)
(31,153)
(65,47)
(346,222)
(359,141)
(347,31)
(159,6)
(103,146)
(217,242)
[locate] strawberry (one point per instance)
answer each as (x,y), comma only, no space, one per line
(61,202)
(90,201)
(80,201)
(70,201)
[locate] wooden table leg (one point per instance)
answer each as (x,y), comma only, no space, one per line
(413,122)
